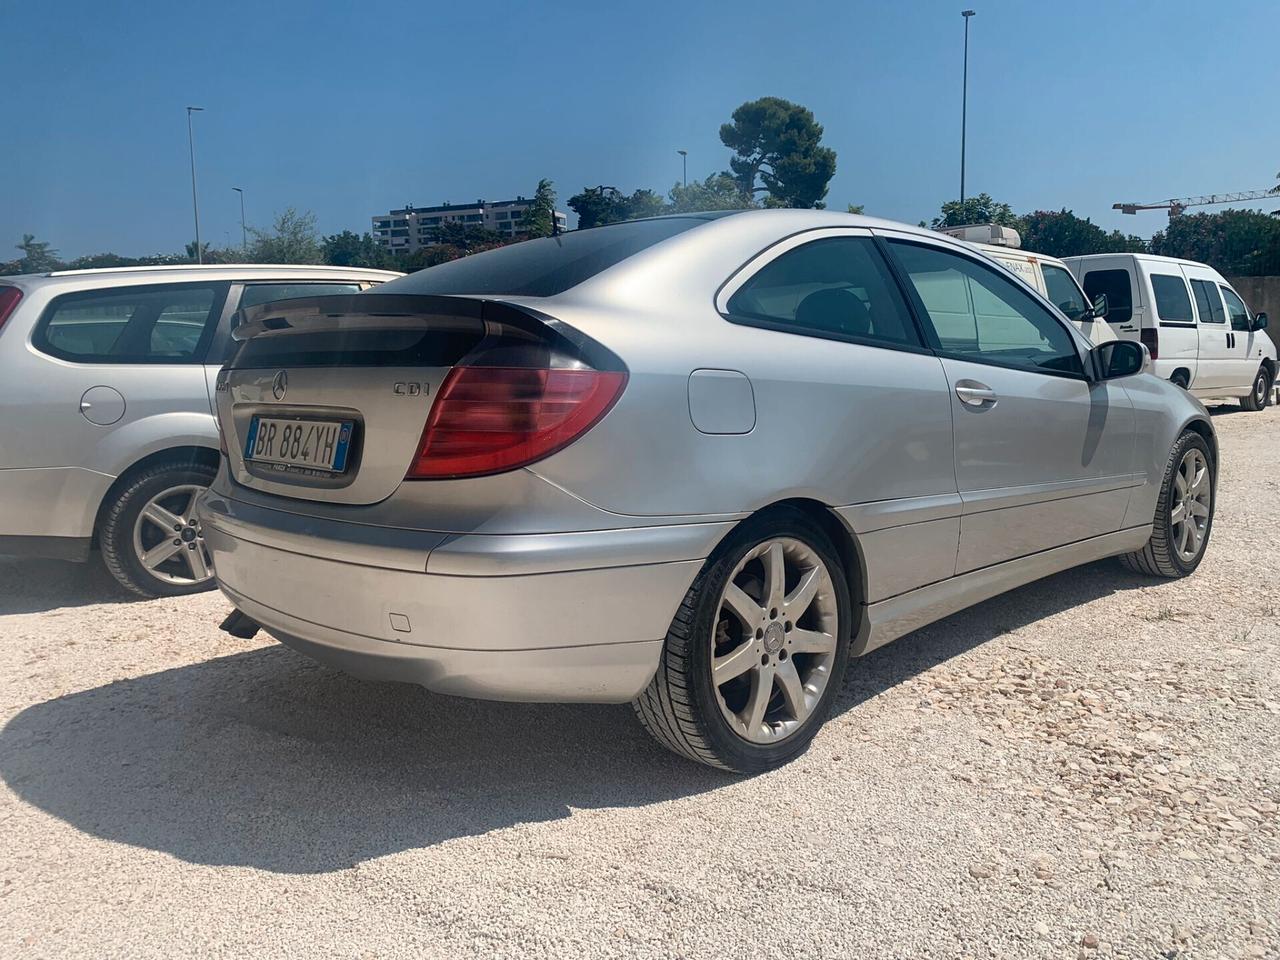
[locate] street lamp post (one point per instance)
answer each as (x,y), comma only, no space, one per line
(964,99)
(684,165)
(195,203)
(244,234)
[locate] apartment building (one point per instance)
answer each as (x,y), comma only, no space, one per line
(410,228)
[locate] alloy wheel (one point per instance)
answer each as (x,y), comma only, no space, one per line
(167,537)
(1192,503)
(774,643)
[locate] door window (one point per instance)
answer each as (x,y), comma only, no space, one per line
(1064,292)
(1173,304)
(1115,284)
(142,324)
(839,287)
(1208,302)
(1237,312)
(981,315)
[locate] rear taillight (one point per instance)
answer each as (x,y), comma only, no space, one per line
(1151,340)
(490,419)
(9,297)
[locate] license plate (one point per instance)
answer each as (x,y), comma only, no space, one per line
(302,445)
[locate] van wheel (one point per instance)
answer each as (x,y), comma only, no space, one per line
(1260,393)
(1184,513)
(757,651)
(149,536)
(1180,378)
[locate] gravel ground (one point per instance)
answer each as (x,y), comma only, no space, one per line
(1089,766)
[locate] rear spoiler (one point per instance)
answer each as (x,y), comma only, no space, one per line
(389,311)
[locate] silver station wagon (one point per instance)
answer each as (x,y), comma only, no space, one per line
(107,433)
(696,463)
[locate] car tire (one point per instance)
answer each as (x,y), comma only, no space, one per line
(798,645)
(1180,379)
(134,548)
(1259,394)
(1168,553)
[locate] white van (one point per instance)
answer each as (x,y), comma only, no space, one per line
(1048,275)
(1198,330)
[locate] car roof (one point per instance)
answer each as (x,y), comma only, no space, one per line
(128,276)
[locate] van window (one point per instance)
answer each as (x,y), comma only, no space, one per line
(1208,302)
(1236,310)
(1063,291)
(1115,284)
(1173,304)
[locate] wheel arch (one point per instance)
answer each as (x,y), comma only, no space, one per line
(1205,429)
(185,453)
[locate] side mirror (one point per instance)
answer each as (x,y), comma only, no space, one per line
(1121,358)
(1101,307)
(1260,321)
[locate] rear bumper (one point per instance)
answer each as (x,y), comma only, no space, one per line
(546,617)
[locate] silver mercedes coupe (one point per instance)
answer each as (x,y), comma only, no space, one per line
(695,462)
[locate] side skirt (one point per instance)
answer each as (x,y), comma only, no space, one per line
(890,619)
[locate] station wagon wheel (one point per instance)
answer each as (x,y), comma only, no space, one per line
(167,538)
(754,657)
(1184,512)
(775,640)
(148,531)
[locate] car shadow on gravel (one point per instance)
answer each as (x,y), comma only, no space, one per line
(37,586)
(265,759)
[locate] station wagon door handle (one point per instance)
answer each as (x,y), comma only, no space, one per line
(975,394)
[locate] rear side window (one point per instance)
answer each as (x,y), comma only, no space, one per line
(257,293)
(1237,312)
(547,266)
(839,287)
(1115,284)
(1063,291)
(1208,302)
(1173,303)
(144,324)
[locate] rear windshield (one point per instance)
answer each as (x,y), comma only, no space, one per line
(544,267)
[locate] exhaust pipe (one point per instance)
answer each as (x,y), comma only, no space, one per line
(240,624)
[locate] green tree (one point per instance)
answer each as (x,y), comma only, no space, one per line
(291,239)
(596,206)
(980,209)
(1060,233)
(1235,242)
(778,143)
(350,249)
(540,219)
(718,192)
(37,256)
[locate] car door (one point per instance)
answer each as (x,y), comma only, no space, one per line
(1244,355)
(1043,454)
(1216,370)
(114,357)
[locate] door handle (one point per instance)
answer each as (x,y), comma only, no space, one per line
(975,394)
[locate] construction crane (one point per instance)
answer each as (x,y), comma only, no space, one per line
(1176,207)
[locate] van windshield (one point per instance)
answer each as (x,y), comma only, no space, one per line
(1063,291)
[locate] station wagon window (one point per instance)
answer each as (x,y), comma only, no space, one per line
(257,293)
(1063,291)
(1208,302)
(1236,310)
(982,316)
(1173,303)
(142,324)
(1115,284)
(839,287)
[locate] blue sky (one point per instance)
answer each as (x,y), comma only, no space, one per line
(347,109)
